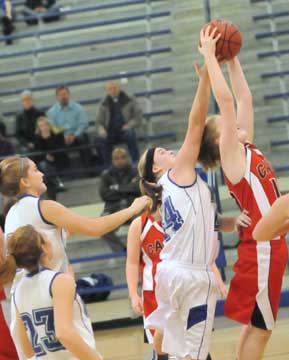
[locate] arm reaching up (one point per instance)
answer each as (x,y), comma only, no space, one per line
(183,172)
(231,150)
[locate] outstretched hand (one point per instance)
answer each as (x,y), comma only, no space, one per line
(201,71)
(208,41)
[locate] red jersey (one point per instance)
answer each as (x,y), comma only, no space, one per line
(256,191)
(2,294)
(152,238)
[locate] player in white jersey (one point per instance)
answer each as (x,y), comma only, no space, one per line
(20,178)
(50,316)
(186,289)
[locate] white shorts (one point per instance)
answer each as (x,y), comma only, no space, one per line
(186,298)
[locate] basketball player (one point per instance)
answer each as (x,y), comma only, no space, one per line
(20,178)
(144,244)
(7,348)
(187,289)
(50,316)
(254,293)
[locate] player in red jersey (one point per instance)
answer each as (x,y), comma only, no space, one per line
(7,348)
(255,289)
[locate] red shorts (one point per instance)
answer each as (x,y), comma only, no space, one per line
(7,348)
(149,305)
(256,286)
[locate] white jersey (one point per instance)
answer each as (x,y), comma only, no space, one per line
(27,212)
(188,218)
(37,315)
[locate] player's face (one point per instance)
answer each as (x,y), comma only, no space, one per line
(33,182)
(163,160)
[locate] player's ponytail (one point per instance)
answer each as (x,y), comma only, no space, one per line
(209,156)
(25,250)
(148,185)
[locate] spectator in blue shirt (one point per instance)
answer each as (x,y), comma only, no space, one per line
(70,117)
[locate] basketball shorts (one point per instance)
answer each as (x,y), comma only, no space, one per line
(186,297)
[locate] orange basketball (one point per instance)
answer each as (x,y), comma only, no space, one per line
(230,42)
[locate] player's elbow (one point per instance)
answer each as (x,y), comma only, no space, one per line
(64,334)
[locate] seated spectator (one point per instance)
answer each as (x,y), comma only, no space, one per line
(26,122)
(70,117)
(35,7)
(52,163)
(6,147)
(118,188)
(118,116)
(6,19)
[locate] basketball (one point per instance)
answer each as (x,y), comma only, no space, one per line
(230,42)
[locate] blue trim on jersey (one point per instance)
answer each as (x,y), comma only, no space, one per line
(197,314)
(25,195)
(181,186)
(36,271)
(41,215)
(51,281)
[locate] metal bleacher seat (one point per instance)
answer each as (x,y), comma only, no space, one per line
(269,34)
(86,25)
(279,95)
(277,53)
(78,44)
(89,80)
(274,74)
(277,118)
(273,15)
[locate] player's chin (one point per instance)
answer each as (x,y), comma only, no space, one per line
(43,188)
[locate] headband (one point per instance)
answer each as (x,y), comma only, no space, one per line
(22,163)
(148,169)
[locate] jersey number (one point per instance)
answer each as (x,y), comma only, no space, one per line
(48,342)
(172,218)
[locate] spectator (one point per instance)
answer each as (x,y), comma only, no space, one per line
(6,147)
(118,116)
(118,188)
(51,164)
(70,117)
(35,7)
(26,122)
(6,19)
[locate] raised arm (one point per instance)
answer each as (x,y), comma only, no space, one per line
(59,215)
(243,96)
(63,291)
(183,171)
(231,151)
(133,265)
(275,222)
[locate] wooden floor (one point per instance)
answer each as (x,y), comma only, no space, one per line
(127,343)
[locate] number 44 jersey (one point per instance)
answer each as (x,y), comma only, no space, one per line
(188,220)
(33,300)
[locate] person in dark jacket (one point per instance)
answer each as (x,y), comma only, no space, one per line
(6,147)
(118,117)
(118,188)
(35,7)
(26,122)
(50,162)
(6,19)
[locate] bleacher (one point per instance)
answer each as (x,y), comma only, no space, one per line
(149,46)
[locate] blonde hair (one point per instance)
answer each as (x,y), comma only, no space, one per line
(153,190)
(24,247)
(42,118)
(118,152)
(12,169)
(209,155)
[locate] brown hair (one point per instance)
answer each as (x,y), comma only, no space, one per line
(153,190)
(12,169)
(24,247)
(209,155)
